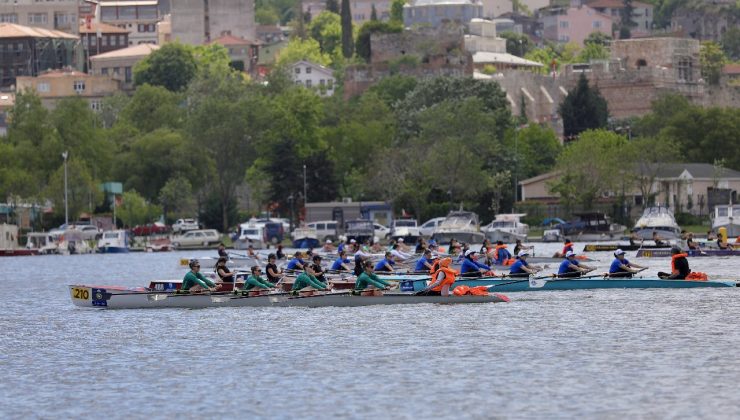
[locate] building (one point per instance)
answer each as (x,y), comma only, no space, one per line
(269,34)
(119,64)
(313,76)
(361,10)
(574,23)
(60,15)
(55,85)
(344,211)
(490,50)
(435,13)
(495,8)
(642,14)
(7,101)
(139,17)
(98,38)
(198,22)
(244,53)
(26,51)
(706,21)
(524,24)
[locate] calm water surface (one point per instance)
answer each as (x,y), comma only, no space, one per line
(585,354)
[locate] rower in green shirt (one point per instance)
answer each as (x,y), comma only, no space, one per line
(195,281)
(306,279)
(369,278)
(255,281)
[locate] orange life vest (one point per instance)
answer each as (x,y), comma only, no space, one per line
(434,268)
(448,280)
(495,251)
(697,276)
(673,261)
(566,246)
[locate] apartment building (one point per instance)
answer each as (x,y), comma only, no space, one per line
(198,22)
(60,15)
(139,17)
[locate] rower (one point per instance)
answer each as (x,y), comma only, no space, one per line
(567,247)
(521,268)
(690,244)
(195,281)
(424,263)
(442,279)
(401,246)
(360,258)
(223,272)
(307,279)
(296,263)
(571,268)
(341,263)
(421,245)
(679,266)
(621,267)
(386,264)
(500,254)
(251,253)
(273,274)
(369,279)
(255,281)
(222,250)
(328,246)
(398,253)
(657,239)
(318,270)
(470,265)
(518,247)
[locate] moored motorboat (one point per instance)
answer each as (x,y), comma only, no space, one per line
(506,228)
(305,237)
(658,220)
(9,243)
(462,226)
(114,242)
(728,217)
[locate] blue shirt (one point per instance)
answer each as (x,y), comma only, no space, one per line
(292,264)
(338,263)
(470,266)
(564,269)
(516,268)
(615,267)
(420,264)
(380,266)
(340,248)
(503,255)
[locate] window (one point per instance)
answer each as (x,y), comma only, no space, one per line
(308,83)
(564,24)
(94,41)
(63,20)
(320,226)
(297,70)
(127,74)
(104,71)
(104,41)
(113,41)
(596,24)
(330,84)
(38,18)
(108,14)
(95,105)
(42,87)
(308,70)
(564,38)
(322,82)
(79,86)
(8,18)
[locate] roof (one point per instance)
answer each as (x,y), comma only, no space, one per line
(314,65)
(141,50)
(614,4)
(503,58)
(104,28)
(696,170)
(229,39)
(61,73)
(129,3)
(441,3)
(538,178)
(13,30)
(731,68)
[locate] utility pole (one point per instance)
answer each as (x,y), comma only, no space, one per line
(305,196)
(66,204)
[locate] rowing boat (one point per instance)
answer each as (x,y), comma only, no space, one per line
(656,253)
(112,297)
(513,284)
(623,247)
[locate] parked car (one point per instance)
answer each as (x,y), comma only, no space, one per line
(325,230)
(427,229)
(182,225)
(360,230)
(87,232)
(197,238)
(407,229)
(381,232)
(155,228)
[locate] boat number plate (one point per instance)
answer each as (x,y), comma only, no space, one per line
(79,293)
(98,297)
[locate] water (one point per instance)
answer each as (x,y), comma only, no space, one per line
(587,354)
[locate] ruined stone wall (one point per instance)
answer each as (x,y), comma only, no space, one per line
(654,52)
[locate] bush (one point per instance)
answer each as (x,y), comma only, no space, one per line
(690,219)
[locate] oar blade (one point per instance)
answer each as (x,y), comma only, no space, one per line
(537,283)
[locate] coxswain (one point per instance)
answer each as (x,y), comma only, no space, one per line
(341,263)
(470,265)
(500,253)
(271,270)
(521,268)
(255,281)
(442,280)
(621,267)
(679,266)
(570,267)
(195,281)
(318,270)
(386,264)
(296,263)
(369,278)
(424,264)
(307,279)
(657,239)
(567,247)
(223,272)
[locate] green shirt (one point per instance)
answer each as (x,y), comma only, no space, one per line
(256,282)
(305,280)
(364,280)
(191,279)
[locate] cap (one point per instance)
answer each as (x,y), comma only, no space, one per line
(352,241)
(522,254)
(400,239)
(469,252)
(193,262)
(570,254)
(328,241)
(619,252)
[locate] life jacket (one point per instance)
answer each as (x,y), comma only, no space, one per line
(509,261)
(448,280)
(461,290)
(674,270)
(434,268)
(495,251)
(567,247)
(479,291)
(697,276)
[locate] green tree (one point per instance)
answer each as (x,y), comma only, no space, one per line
(664,110)
(136,210)
(546,56)
(172,66)
(327,30)
(397,11)
(649,156)
(78,130)
(731,43)
(583,109)
(83,193)
(598,38)
(176,197)
(332,6)
(712,60)
(154,107)
(300,49)
(626,20)
(266,16)
(393,88)
(517,44)
(538,149)
(592,51)
(112,107)
(348,46)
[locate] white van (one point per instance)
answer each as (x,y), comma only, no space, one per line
(326,229)
(250,234)
(197,238)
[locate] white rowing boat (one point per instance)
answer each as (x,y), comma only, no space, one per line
(111,297)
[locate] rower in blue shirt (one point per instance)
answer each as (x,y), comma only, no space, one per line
(424,264)
(621,267)
(501,254)
(386,264)
(571,268)
(471,267)
(521,268)
(342,263)
(296,263)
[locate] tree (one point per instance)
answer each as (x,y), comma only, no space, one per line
(583,109)
(347,42)
(397,11)
(373,13)
(626,20)
(135,210)
(153,107)
(82,189)
(176,196)
(393,88)
(327,30)
(649,155)
(517,44)
(731,43)
(172,66)
(712,60)
(266,16)
(300,49)
(538,149)
(599,38)
(332,6)
(546,56)
(592,51)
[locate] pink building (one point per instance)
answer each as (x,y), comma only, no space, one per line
(574,23)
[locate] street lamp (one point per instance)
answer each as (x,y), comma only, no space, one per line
(65,155)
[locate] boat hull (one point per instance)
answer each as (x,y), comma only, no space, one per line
(623,247)
(657,253)
(504,236)
(18,252)
(121,298)
(465,237)
(113,250)
(306,243)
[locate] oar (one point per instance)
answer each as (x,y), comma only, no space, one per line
(529,279)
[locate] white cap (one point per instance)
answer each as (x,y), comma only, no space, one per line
(522,254)
(570,254)
(352,241)
(328,241)
(400,239)
(619,252)
(469,252)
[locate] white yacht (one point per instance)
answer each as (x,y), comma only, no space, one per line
(507,228)
(460,225)
(660,220)
(728,217)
